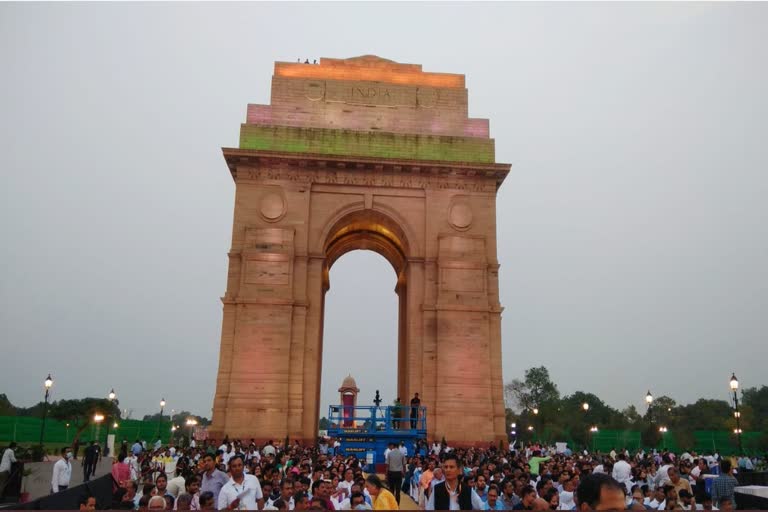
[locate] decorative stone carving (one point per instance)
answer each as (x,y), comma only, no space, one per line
(272,206)
(460,214)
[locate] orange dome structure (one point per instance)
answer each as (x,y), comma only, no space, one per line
(348,392)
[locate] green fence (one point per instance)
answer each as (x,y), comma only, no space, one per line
(606,440)
(26,430)
(704,441)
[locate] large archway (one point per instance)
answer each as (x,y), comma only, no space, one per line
(360,328)
(353,154)
(374,231)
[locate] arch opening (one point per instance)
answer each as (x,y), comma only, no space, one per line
(360,329)
(370,230)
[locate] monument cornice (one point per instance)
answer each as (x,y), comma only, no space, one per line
(308,161)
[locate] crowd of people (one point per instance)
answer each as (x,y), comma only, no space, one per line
(239,474)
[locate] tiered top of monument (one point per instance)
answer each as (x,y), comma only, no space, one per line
(368,107)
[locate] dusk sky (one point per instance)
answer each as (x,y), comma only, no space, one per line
(631,229)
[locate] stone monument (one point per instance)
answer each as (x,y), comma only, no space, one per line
(362,153)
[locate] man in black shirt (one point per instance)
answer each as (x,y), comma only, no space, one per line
(90,457)
(415,403)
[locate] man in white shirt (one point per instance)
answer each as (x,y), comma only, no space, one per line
(227,455)
(176,485)
(62,471)
(662,478)
(286,494)
(9,457)
(133,464)
(658,499)
(241,492)
(622,471)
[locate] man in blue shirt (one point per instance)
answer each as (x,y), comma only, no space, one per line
(136,449)
(213,479)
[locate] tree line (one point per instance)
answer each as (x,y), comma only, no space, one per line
(564,417)
(80,412)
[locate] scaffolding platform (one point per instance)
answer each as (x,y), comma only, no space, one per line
(366,431)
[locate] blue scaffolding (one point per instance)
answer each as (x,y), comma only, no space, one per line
(366,431)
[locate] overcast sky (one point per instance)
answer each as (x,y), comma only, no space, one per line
(632,227)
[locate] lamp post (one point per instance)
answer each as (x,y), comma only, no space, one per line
(593,431)
(111,397)
(67,433)
(48,384)
(649,401)
(191,422)
(162,407)
(663,431)
(98,418)
(736,412)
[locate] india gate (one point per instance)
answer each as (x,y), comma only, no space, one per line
(362,153)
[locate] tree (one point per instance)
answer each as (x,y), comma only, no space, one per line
(324,423)
(757,400)
(81,411)
(6,407)
(179,418)
(704,414)
(631,416)
(536,391)
(662,410)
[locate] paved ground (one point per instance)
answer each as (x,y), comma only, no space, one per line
(406,503)
(38,484)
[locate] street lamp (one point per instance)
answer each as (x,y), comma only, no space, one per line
(663,430)
(535,410)
(736,413)
(162,407)
(191,422)
(649,401)
(111,397)
(98,418)
(585,406)
(48,384)
(67,432)
(592,432)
